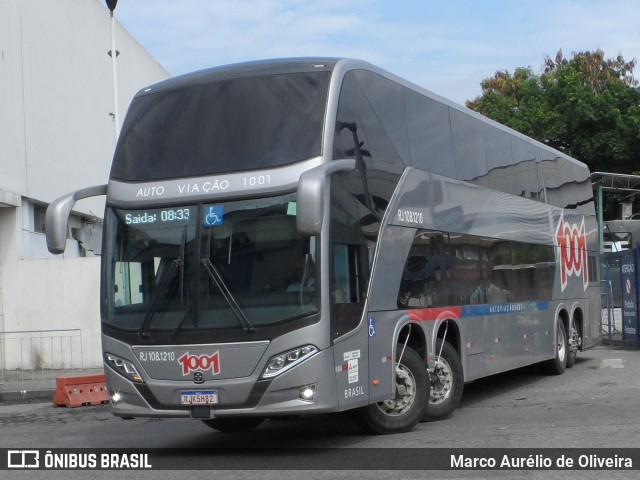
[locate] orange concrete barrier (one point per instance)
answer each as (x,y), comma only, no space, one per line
(79,391)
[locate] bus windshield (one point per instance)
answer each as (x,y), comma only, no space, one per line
(222,126)
(232,265)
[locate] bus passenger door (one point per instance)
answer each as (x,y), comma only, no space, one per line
(347,303)
(385,316)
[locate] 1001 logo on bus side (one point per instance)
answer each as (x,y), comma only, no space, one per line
(571,244)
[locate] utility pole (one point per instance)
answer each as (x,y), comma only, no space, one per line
(111,5)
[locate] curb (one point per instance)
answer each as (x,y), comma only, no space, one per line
(26,396)
(18,387)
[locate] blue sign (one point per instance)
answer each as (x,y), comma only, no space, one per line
(372,327)
(213,215)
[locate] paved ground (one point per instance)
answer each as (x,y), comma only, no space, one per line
(595,404)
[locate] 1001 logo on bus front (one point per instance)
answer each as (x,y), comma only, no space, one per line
(203,363)
(571,241)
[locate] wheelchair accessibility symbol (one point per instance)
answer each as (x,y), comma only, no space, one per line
(212,216)
(372,327)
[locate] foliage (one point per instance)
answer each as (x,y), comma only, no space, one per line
(587,106)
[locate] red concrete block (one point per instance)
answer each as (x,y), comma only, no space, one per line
(80,391)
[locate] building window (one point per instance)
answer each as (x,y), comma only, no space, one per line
(39,213)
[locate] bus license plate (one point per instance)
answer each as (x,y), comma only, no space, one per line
(206,397)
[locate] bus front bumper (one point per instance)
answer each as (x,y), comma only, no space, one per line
(308,388)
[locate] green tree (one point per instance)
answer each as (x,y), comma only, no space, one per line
(587,106)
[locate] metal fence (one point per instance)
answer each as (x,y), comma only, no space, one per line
(611,295)
(611,317)
(30,357)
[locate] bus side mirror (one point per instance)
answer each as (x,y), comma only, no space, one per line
(310,198)
(57,217)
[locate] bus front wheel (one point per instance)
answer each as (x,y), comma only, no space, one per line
(402,412)
(446,381)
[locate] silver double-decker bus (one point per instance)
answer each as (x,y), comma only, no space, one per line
(317,235)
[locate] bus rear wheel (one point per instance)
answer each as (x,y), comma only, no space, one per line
(402,412)
(447,383)
(231,424)
(558,364)
(574,344)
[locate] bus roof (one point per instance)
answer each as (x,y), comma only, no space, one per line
(338,67)
(245,69)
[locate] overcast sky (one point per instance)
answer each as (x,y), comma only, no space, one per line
(446,46)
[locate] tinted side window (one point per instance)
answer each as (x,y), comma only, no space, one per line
(526,270)
(559,180)
(497,147)
(583,192)
(386,100)
(424,279)
(350,111)
(532,271)
(566,192)
(468,147)
(525,169)
(349,260)
(429,131)
(355,110)
(452,269)
(470,268)
(548,164)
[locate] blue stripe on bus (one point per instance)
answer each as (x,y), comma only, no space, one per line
(470,311)
(502,308)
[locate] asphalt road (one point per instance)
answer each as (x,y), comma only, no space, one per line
(596,404)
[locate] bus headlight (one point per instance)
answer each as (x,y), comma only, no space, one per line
(123,367)
(284,361)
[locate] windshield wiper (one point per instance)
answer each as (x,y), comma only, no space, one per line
(217,278)
(176,265)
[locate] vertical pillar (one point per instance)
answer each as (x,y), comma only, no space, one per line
(600,219)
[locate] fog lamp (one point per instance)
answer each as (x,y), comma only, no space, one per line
(307,393)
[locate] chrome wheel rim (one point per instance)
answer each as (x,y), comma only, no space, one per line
(575,338)
(562,345)
(441,382)
(405,393)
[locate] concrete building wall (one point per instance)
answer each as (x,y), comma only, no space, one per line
(57,135)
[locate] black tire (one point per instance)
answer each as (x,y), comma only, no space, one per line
(447,384)
(233,424)
(403,412)
(558,365)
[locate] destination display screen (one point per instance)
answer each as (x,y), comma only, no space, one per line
(212,215)
(160,216)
